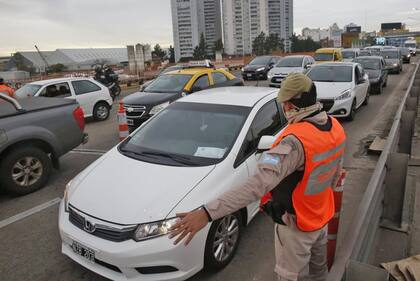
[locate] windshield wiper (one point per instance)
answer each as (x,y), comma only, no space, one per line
(177,158)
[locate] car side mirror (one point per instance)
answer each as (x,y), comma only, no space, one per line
(265,143)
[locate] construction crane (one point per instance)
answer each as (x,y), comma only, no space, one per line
(44,59)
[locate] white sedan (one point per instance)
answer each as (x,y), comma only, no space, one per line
(115,214)
(93,97)
(342,87)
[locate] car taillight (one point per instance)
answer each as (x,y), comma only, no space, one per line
(79,117)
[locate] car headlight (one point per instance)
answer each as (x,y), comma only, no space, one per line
(345,95)
(152,230)
(260,69)
(242,69)
(66,196)
(270,75)
(158,108)
(395,64)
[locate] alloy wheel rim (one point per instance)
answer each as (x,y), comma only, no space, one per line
(102,111)
(226,238)
(27,171)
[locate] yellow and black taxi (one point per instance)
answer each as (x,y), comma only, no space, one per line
(171,86)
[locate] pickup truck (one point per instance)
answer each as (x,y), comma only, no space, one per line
(34,133)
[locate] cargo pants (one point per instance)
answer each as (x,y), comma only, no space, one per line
(300,255)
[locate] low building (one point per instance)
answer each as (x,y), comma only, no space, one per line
(72,59)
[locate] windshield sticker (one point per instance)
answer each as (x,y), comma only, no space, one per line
(210,152)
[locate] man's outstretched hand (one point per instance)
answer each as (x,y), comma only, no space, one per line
(188,225)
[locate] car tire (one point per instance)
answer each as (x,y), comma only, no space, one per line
(101,111)
(25,170)
(353,110)
(219,241)
(366,101)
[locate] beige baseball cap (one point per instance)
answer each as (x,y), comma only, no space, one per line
(294,84)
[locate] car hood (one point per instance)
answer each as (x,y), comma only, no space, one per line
(373,74)
(330,90)
(123,190)
(392,61)
(145,98)
(285,70)
(253,67)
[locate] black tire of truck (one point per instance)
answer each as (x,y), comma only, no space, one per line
(24,170)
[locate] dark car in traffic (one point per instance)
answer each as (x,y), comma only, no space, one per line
(393,60)
(377,71)
(405,54)
(258,68)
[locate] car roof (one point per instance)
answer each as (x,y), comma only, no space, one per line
(59,80)
(327,50)
(192,71)
(369,57)
(240,96)
(295,56)
(335,64)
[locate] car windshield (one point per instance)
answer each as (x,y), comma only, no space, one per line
(187,134)
(169,69)
(348,54)
(390,54)
(169,83)
(405,51)
(290,62)
(29,90)
(330,73)
(323,57)
(260,61)
(373,64)
(364,53)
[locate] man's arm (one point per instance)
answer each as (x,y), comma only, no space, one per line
(274,166)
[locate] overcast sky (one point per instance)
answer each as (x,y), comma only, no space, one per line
(55,24)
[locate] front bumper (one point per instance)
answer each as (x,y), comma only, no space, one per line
(126,260)
(337,108)
(275,81)
(254,75)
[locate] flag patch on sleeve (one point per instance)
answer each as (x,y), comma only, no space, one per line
(270,159)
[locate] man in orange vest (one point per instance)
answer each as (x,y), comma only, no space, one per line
(6,89)
(299,171)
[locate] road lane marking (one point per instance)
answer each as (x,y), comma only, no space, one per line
(29,212)
(88,151)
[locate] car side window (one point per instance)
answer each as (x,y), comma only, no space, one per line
(83,87)
(59,90)
(268,121)
(357,74)
(219,78)
(202,82)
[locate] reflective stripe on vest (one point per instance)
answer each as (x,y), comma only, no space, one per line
(313,199)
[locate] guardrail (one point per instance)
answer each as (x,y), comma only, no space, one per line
(356,247)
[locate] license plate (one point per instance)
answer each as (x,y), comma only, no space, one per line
(249,75)
(278,80)
(130,122)
(83,251)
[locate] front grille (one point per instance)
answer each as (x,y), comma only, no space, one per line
(277,79)
(327,104)
(102,231)
(134,111)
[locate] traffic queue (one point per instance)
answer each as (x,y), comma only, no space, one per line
(196,163)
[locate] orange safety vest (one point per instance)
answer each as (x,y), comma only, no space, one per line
(312,198)
(7,90)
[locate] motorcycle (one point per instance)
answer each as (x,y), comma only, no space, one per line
(110,79)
